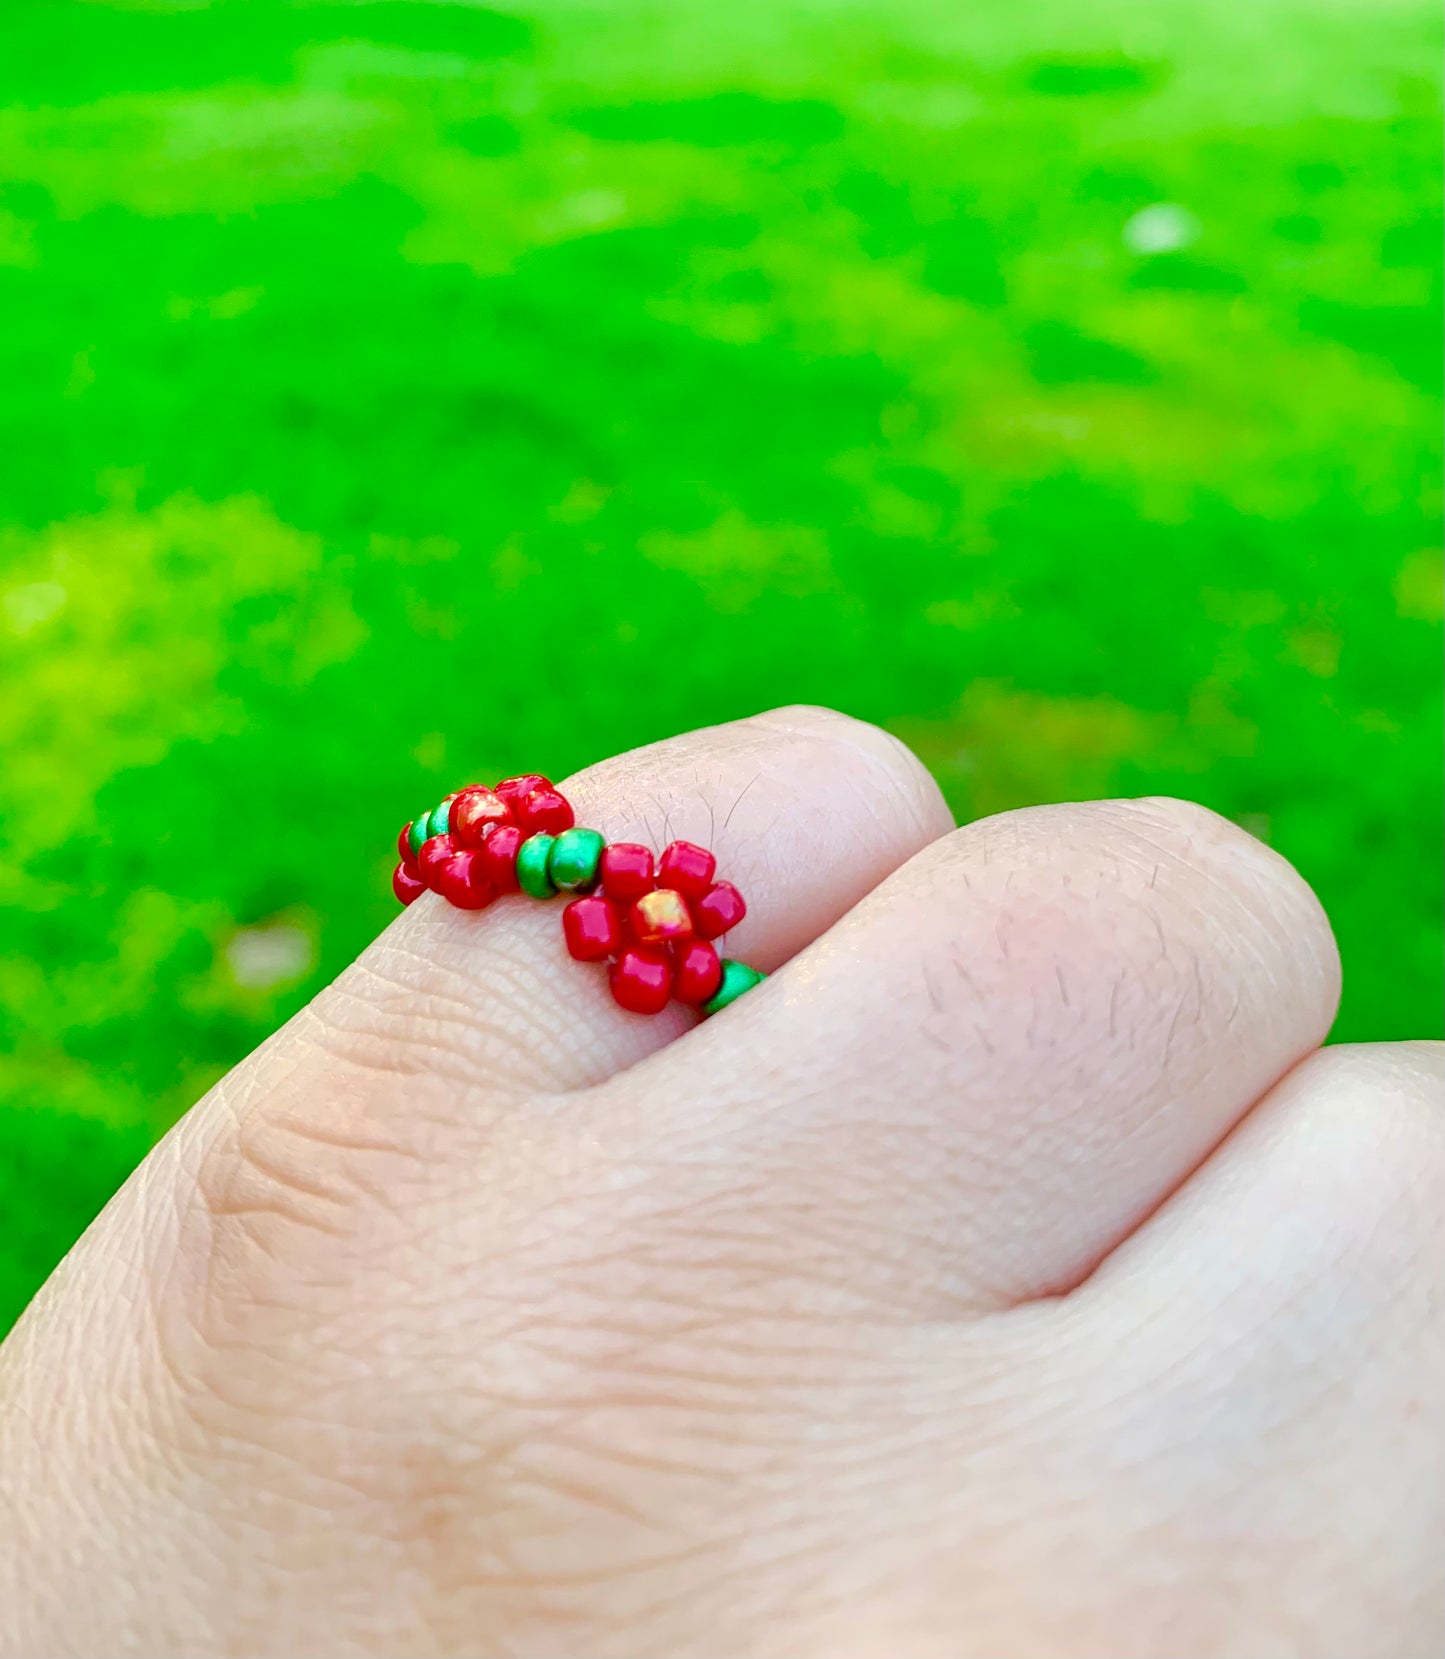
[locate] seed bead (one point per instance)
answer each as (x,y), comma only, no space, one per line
(737,977)
(572,863)
(435,851)
(532,858)
(660,918)
(627,871)
(544,812)
(462,881)
(472,811)
(698,972)
(592,928)
(499,856)
(513,790)
(440,822)
(407,884)
(687,869)
(719,909)
(641,981)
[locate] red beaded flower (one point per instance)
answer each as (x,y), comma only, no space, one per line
(655,924)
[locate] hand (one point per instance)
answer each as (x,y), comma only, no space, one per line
(1011,1274)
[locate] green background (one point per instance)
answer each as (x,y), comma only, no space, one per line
(394,394)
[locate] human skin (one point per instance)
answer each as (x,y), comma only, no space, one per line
(1011,1274)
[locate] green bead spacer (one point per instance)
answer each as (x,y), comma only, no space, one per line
(574,858)
(737,977)
(418,833)
(440,822)
(532,857)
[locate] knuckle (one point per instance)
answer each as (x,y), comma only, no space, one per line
(1195,833)
(1395,1089)
(806,718)
(1218,848)
(1242,892)
(1372,1173)
(884,768)
(1359,1139)
(1115,924)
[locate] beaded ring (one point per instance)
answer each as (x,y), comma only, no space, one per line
(653,921)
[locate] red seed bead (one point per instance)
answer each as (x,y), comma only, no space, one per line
(473,811)
(516,789)
(406,882)
(627,871)
(499,856)
(686,868)
(719,909)
(544,812)
(660,918)
(641,981)
(463,882)
(698,972)
(403,845)
(592,928)
(433,855)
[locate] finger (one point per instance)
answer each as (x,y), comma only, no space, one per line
(1332,1186)
(987,1075)
(806,811)
(1288,1305)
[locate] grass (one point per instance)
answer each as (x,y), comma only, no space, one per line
(1058,386)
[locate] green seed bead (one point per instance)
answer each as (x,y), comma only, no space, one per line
(419,832)
(574,858)
(737,977)
(532,858)
(441,820)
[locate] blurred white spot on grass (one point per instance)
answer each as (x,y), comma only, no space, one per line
(586,210)
(260,957)
(1161,228)
(27,607)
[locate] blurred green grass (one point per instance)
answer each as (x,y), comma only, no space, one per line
(1058,386)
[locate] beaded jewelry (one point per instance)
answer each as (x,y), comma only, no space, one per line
(653,921)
